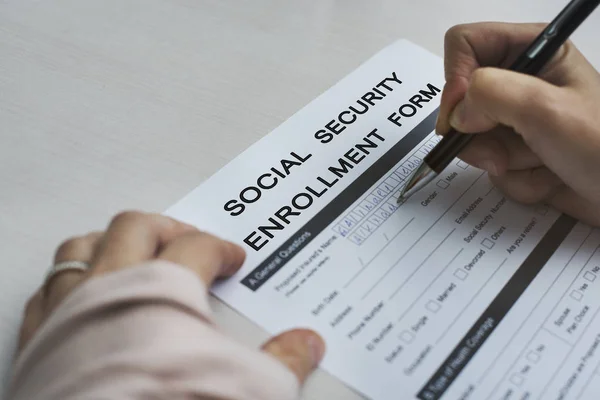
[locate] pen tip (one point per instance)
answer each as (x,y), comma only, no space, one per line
(405,190)
(421,177)
(403,194)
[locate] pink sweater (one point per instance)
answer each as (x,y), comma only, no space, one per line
(143,333)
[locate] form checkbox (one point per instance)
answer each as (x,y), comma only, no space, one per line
(407,337)
(577,295)
(589,276)
(442,184)
(542,210)
(487,243)
(517,380)
(462,164)
(461,274)
(433,306)
(533,357)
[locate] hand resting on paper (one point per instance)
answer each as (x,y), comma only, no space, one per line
(137,323)
(540,136)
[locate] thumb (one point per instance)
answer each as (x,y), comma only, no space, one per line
(300,350)
(501,97)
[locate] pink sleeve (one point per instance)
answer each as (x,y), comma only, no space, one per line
(143,333)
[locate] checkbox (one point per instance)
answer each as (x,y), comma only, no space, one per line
(461,274)
(542,210)
(488,244)
(443,184)
(517,380)
(533,357)
(433,306)
(407,337)
(576,295)
(589,276)
(462,164)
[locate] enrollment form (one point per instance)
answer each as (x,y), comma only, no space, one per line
(457,293)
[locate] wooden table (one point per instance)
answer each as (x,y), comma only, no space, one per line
(129,104)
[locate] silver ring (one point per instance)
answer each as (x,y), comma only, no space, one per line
(66,266)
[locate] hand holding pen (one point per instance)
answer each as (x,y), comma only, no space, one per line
(530,122)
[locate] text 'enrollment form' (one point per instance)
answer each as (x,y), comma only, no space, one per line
(458,293)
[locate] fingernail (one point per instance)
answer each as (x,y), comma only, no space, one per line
(238,256)
(458,115)
(490,167)
(440,129)
(316,348)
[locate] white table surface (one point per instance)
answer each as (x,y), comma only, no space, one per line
(108,105)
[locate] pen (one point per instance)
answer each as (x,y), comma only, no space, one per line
(533,59)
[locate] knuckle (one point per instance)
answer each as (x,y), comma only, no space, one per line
(93,236)
(481,85)
(208,238)
(525,196)
(129,217)
(543,105)
(480,80)
(202,244)
(211,243)
(456,32)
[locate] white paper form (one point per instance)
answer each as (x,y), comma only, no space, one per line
(458,293)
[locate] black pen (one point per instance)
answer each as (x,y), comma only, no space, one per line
(530,62)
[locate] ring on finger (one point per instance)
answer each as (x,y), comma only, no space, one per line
(65,266)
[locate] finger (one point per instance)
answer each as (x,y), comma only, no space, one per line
(548,118)
(529,186)
(454,90)
(207,255)
(471,46)
(526,104)
(134,237)
(299,350)
(497,44)
(498,151)
(60,285)
(32,319)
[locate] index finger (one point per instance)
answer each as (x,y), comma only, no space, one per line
(472,46)
(493,44)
